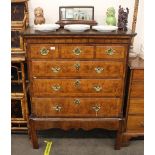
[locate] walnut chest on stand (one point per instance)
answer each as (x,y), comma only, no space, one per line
(77,80)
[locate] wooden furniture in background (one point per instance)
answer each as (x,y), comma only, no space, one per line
(19,105)
(77,80)
(134,116)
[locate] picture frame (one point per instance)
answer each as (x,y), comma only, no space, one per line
(76,15)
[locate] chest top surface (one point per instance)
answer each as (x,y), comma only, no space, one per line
(62,32)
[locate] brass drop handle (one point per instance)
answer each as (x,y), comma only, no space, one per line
(96,108)
(110,51)
(97,88)
(99,69)
(77,51)
(56,87)
(56,69)
(77,101)
(44,51)
(57,108)
(77,83)
(77,66)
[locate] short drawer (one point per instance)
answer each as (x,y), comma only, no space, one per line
(76,107)
(138,74)
(137,89)
(77,87)
(42,51)
(111,51)
(76,51)
(77,68)
(136,106)
(135,123)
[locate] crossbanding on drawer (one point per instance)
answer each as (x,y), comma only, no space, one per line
(76,107)
(105,69)
(77,87)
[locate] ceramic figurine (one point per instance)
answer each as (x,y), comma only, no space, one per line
(122,18)
(39,16)
(111,19)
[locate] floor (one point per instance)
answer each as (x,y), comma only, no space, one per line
(75,143)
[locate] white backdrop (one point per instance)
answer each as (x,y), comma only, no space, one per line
(51,12)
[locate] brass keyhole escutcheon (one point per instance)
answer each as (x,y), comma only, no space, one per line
(57,108)
(77,66)
(96,108)
(77,83)
(77,101)
(56,87)
(56,69)
(99,70)
(97,88)
(110,51)
(77,51)
(44,51)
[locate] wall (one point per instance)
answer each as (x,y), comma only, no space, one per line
(51,12)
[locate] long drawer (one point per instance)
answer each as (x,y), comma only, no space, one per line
(135,123)
(76,107)
(77,87)
(104,69)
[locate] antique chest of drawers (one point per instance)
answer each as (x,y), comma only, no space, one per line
(134,117)
(77,80)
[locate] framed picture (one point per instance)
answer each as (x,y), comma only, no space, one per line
(76,15)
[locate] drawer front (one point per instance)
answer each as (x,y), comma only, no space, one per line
(76,107)
(77,68)
(138,75)
(77,87)
(137,89)
(135,123)
(117,52)
(42,51)
(136,106)
(76,51)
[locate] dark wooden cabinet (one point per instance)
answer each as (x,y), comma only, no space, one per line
(134,114)
(77,80)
